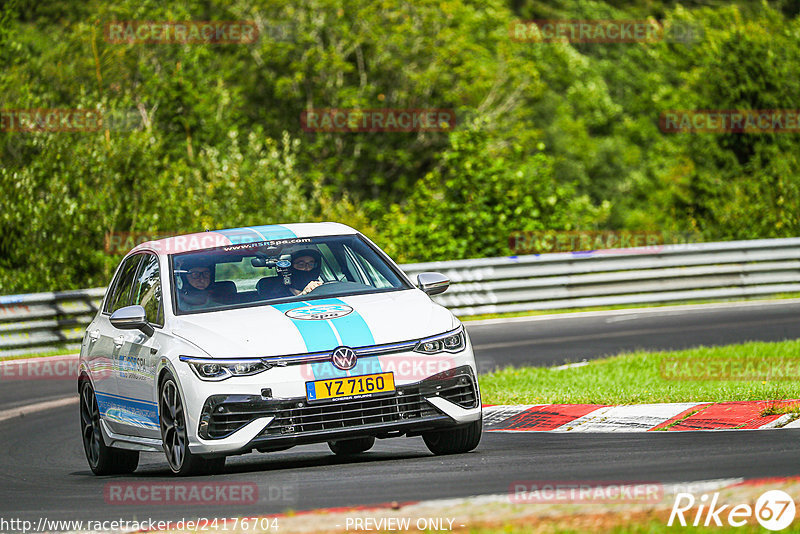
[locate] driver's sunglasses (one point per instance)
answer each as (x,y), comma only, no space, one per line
(197,275)
(311,264)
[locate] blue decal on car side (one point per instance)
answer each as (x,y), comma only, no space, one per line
(127,410)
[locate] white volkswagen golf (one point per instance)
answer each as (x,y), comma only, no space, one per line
(220,343)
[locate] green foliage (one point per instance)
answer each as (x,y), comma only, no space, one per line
(476,197)
(549,136)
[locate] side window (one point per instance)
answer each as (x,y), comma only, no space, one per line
(147,290)
(330,267)
(375,278)
(120,292)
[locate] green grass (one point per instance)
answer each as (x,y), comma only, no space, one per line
(780,296)
(781,409)
(639,377)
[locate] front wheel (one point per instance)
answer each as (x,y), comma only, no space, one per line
(343,447)
(455,441)
(103,460)
(174,438)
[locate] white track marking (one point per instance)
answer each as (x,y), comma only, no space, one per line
(629,311)
(793,424)
(38,407)
(633,418)
(779,422)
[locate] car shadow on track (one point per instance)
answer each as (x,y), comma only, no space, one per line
(153,467)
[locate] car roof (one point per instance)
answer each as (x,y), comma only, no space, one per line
(238,236)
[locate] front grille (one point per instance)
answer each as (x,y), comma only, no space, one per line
(456,385)
(406,404)
(224,414)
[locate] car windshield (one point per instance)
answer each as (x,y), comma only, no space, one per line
(287,270)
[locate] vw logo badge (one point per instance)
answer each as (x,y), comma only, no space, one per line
(344,358)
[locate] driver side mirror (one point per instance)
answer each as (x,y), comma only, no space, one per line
(433,283)
(132,318)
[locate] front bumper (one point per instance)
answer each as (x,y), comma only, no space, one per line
(232,424)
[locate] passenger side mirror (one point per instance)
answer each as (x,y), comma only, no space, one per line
(132,318)
(433,283)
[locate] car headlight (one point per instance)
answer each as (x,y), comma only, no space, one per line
(220,370)
(452,341)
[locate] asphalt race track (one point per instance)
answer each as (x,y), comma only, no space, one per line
(43,472)
(574,337)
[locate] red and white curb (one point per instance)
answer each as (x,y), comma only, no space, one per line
(682,416)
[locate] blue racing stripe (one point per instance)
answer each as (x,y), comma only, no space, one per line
(352,328)
(317,335)
(240,236)
(273,231)
(354,332)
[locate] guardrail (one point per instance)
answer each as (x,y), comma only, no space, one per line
(42,321)
(669,273)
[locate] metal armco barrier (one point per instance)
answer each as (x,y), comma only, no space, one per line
(40,321)
(668,273)
(657,274)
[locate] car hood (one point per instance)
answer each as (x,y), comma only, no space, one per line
(315,325)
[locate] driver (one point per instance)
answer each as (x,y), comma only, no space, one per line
(305,269)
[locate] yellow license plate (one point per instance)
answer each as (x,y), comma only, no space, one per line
(350,387)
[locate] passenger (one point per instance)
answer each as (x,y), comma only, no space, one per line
(199,278)
(196,279)
(305,270)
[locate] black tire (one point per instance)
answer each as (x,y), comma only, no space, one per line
(455,441)
(174,438)
(103,460)
(344,447)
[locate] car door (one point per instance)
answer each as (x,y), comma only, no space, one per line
(140,354)
(107,342)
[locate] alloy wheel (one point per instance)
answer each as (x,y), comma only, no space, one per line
(90,425)
(173,425)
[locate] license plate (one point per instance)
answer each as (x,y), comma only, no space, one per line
(350,387)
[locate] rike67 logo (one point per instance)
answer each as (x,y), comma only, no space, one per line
(774,510)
